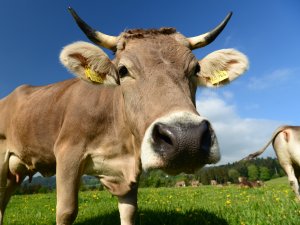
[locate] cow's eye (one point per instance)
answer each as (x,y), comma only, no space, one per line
(197,68)
(123,71)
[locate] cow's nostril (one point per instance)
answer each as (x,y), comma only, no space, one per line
(205,135)
(162,134)
(166,139)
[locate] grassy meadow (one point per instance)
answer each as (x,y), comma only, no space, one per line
(272,204)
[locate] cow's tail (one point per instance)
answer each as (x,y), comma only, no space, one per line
(255,154)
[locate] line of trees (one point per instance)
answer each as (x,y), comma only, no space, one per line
(258,169)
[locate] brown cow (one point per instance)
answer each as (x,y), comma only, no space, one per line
(143,116)
(243,182)
(195,183)
(286,143)
(180,184)
(213,182)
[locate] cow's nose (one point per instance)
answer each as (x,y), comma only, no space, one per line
(171,140)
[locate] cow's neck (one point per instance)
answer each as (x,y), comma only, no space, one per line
(114,157)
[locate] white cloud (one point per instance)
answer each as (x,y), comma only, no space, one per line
(228,95)
(237,136)
(274,78)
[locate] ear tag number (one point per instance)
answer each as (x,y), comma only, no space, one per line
(219,75)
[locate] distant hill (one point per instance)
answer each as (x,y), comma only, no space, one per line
(48,182)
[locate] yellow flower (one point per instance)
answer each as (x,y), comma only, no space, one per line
(178,209)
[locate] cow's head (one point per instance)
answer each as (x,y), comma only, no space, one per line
(158,76)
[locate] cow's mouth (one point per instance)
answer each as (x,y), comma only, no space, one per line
(180,142)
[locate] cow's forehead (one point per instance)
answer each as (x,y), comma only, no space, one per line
(163,45)
(151,35)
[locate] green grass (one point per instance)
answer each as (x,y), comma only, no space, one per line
(278,181)
(272,204)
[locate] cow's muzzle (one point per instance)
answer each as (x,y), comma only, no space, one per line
(181,142)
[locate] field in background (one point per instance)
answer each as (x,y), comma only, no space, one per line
(278,181)
(272,204)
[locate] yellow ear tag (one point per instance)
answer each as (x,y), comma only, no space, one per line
(93,76)
(219,76)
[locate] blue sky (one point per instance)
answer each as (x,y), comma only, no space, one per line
(244,113)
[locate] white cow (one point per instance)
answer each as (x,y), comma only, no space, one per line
(286,143)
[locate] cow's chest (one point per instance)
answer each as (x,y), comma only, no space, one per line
(117,174)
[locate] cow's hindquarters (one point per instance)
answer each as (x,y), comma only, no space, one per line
(286,145)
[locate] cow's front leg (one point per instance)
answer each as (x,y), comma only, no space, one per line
(68,174)
(128,206)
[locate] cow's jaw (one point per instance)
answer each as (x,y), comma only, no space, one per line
(191,150)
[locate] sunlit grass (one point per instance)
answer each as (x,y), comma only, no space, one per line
(272,204)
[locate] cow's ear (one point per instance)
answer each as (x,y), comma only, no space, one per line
(89,63)
(221,67)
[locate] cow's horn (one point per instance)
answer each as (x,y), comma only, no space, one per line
(205,39)
(104,40)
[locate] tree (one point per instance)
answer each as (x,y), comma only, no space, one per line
(264,173)
(204,177)
(233,175)
(252,172)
